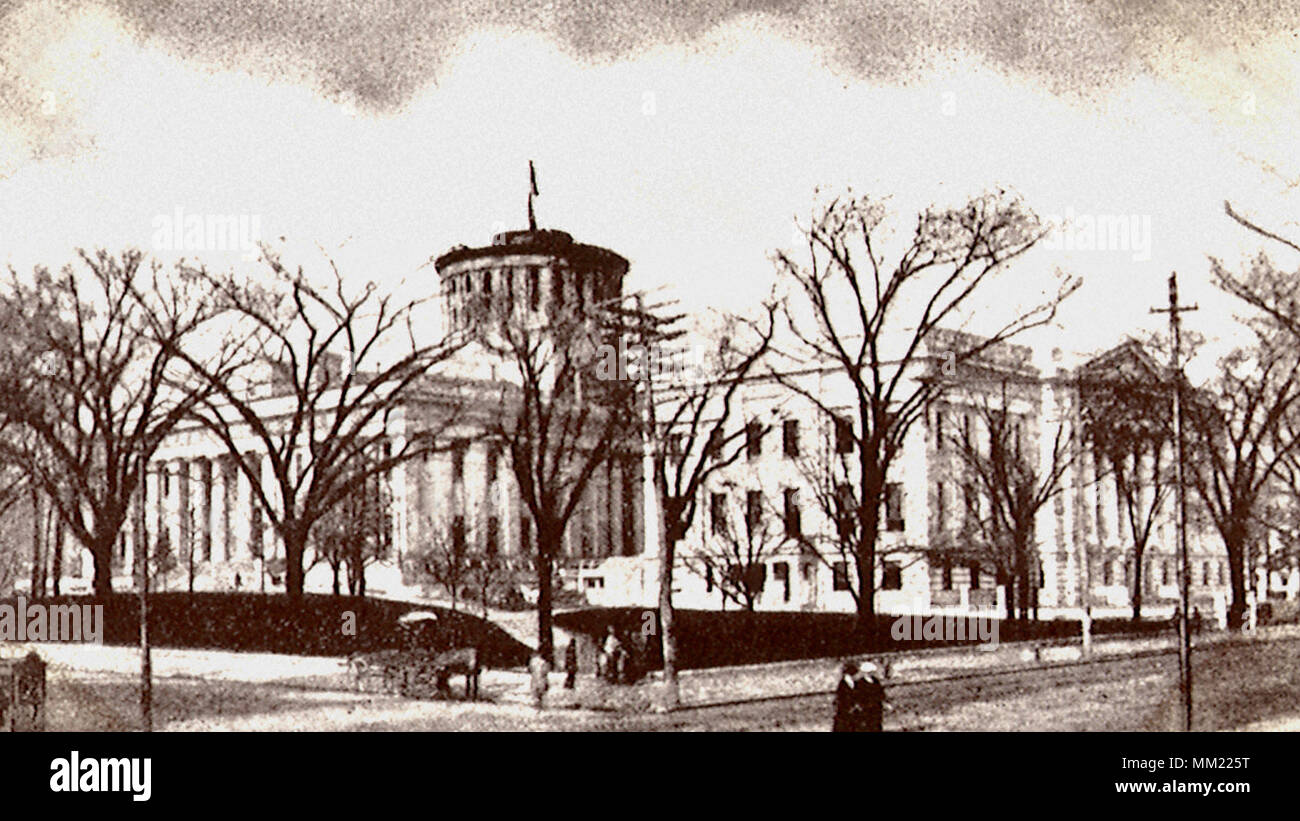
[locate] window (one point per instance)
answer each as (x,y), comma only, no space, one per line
(974,575)
(534,288)
(1042,577)
(458,450)
(1205,574)
(1164,572)
(557,288)
(893,506)
(844,509)
(792,523)
(781,573)
(526,536)
(947,572)
(941,508)
(1220,573)
(790,437)
(714,447)
(493,460)
(255,531)
(840,576)
(458,536)
(717,513)
(753,440)
(893,576)
(843,435)
(493,535)
(487,282)
(753,509)
(1107,571)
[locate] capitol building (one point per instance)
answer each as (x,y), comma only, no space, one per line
(197,503)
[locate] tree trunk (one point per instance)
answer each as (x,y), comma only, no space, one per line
(334,568)
(1137,584)
(671,698)
(295,545)
(1235,547)
(545,636)
(869,526)
(102,557)
(56,564)
(38,562)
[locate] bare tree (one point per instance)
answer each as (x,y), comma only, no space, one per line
(1007,486)
(354,534)
(1126,419)
(733,555)
(875,322)
(93,394)
(1251,431)
(561,417)
(690,441)
(343,364)
(1239,427)
(447,556)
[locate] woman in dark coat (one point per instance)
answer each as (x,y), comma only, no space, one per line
(869,693)
(846,701)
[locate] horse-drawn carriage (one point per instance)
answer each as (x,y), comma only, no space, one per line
(423,666)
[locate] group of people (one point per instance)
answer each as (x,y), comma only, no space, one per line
(613,664)
(859,699)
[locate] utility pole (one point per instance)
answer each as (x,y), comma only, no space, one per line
(146,661)
(1184,634)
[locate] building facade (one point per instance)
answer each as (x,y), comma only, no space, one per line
(764,536)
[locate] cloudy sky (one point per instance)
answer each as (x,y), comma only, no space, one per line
(686,136)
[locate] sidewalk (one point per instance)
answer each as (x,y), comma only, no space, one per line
(697,687)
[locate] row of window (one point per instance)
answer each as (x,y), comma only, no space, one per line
(465,284)
(890,579)
(460,448)
(790,444)
(1168,572)
(754,577)
(791,514)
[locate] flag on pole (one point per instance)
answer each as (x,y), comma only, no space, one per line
(532,178)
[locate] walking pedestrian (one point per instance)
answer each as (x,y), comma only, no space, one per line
(869,693)
(846,705)
(571,663)
(612,649)
(540,670)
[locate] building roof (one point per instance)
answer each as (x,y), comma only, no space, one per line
(542,242)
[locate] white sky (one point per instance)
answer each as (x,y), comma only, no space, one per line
(690,158)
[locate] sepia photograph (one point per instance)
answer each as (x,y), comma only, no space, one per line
(877,366)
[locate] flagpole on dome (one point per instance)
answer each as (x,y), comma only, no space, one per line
(532,192)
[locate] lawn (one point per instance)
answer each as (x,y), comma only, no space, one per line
(313,625)
(709,638)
